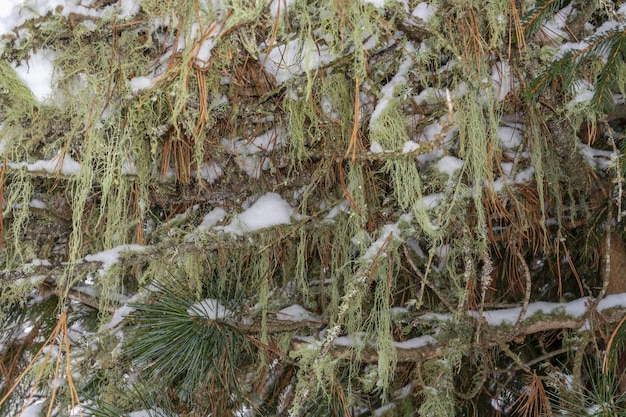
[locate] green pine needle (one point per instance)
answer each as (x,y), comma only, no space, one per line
(192,353)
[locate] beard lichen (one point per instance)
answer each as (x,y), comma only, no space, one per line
(141,107)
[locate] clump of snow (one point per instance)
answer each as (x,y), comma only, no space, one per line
(449,165)
(295,312)
(9,16)
(110,257)
(389,231)
(442,253)
(427,158)
(66,165)
(507,168)
(553,29)
(128,166)
(576,309)
(36,203)
(522,177)
(525,175)
(294,58)
(424,11)
(14,13)
(410,146)
(416,342)
(339,208)
(376,147)
(509,137)
(208,222)
(128,8)
(583,92)
(211,219)
(205,47)
(433,131)
(432,95)
(388,90)
(36,262)
(3,144)
(247,151)
(37,73)
(269,210)
(141,83)
(267,141)
(155,412)
(209,308)
(430,201)
(570,47)
(503,80)
(597,158)
(118,316)
(384,410)
(280,6)
(33,410)
(379,4)
(210,172)
(351,340)
(612,301)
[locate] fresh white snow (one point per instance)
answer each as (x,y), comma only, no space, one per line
(416,342)
(65,165)
(294,58)
(295,312)
(450,165)
(269,210)
(110,257)
(209,308)
(424,11)
(37,74)
(510,137)
(211,219)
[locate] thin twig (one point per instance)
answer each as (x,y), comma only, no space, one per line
(425,281)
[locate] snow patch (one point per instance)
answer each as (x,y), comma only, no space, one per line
(211,219)
(388,90)
(597,158)
(204,48)
(141,83)
(376,147)
(576,309)
(379,4)
(450,165)
(416,342)
(583,92)
(209,308)
(510,137)
(37,73)
(269,210)
(280,6)
(110,257)
(431,201)
(248,151)
(424,11)
(553,29)
(389,231)
(294,58)
(66,165)
(503,80)
(295,312)
(410,146)
(210,172)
